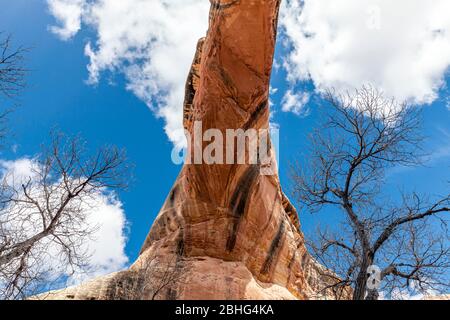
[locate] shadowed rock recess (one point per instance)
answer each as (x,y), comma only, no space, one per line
(225,231)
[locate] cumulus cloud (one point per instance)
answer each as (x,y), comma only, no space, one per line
(107,245)
(20,169)
(152,43)
(68,13)
(295,102)
(105,248)
(401,47)
(413,292)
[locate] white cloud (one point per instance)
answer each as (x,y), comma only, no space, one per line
(413,292)
(273,90)
(107,246)
(295,102)
(151,42)
(68,13)
(20,169)
(401,47)
(104,214)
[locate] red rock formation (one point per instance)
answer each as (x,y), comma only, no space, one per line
(225,231)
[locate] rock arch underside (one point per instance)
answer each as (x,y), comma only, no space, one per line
(225,231)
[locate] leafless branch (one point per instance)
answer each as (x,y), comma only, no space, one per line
(12,71)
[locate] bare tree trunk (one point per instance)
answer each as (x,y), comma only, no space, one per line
(372,294)
(361,280)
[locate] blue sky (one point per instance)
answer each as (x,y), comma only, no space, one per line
(107,113)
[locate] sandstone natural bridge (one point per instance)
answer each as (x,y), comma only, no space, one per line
(225,231)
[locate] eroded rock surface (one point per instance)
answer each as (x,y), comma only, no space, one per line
(225,231)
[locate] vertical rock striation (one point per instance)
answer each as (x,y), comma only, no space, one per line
(225,231)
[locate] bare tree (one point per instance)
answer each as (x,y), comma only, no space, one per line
(12,75)
(364,135)
(157,275)
(44,213)
(12,71)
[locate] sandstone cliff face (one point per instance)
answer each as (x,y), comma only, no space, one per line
(225,231)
